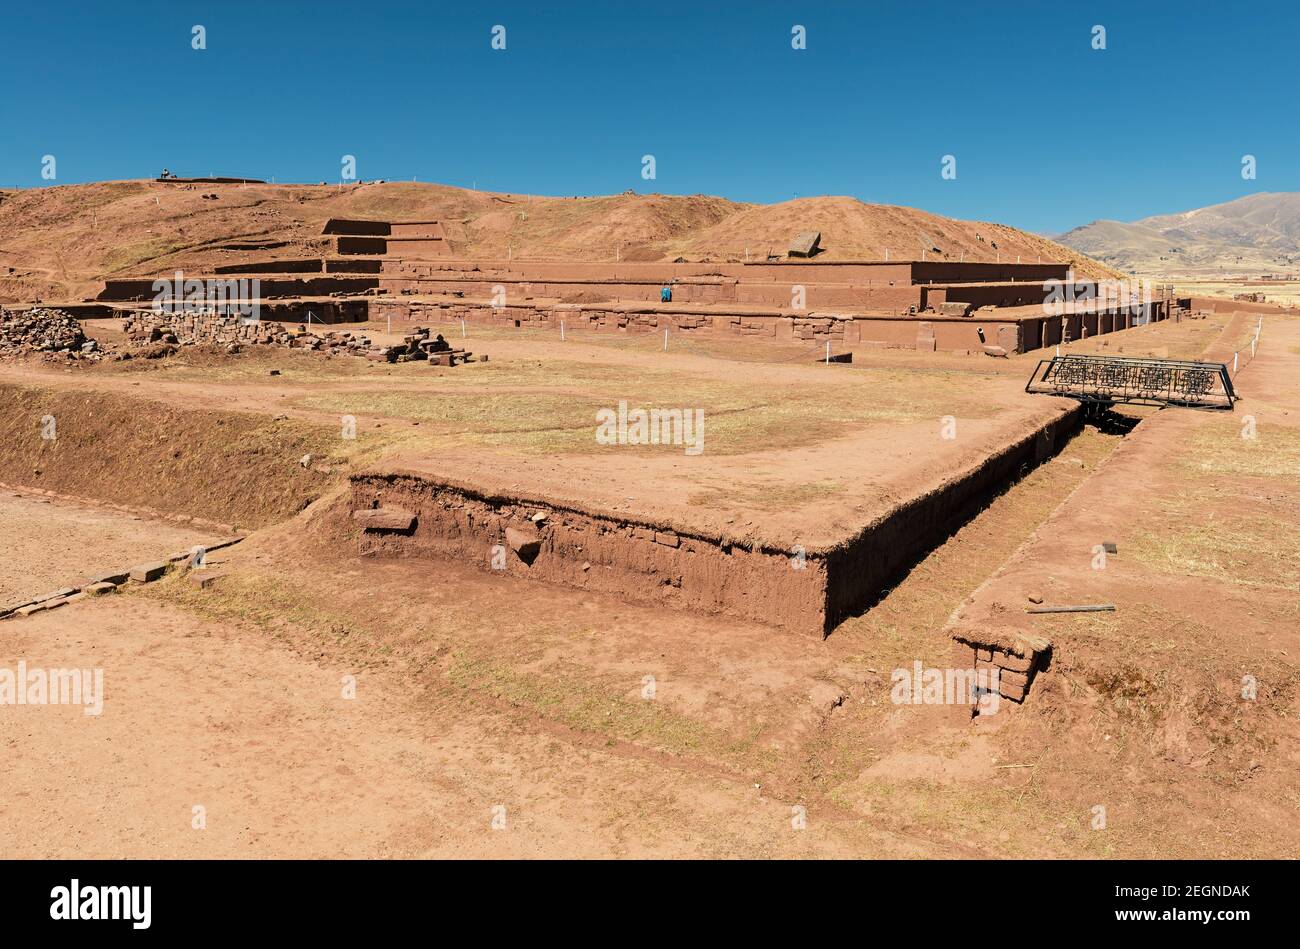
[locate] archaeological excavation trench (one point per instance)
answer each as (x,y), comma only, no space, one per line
(126,490)
(810,590)
(230,469)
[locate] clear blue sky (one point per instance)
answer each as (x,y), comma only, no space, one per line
(1047,132)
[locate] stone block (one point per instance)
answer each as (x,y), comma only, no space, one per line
(148,572)
(203,579)
(806,244)
(1015,693)
(380,519)
(53,595)
(526,544)
(925,341)
(1013,662)
(1017,680)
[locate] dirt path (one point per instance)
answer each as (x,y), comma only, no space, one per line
(1176,710)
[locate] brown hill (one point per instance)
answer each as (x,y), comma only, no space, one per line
(62,242)
(1257,234)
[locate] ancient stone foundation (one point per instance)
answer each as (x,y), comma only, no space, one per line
(810,590)
(412,516)
(1016,656)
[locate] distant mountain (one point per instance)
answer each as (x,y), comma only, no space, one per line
(1259,233)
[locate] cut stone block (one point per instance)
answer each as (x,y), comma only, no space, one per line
(1015,663)
(1017,680)
(806,244)
(925,340)
(31,608)
(1009,338)
(1015,693)
(148,572)
(112,577)
(525,544)
(53,595)
(203,579)
(385,519)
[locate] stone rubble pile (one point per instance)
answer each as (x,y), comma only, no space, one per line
(420,343)
(40,330)
(233,333)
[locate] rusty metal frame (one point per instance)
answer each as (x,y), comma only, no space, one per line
(1111,379)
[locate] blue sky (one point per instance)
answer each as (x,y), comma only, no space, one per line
(1047,132)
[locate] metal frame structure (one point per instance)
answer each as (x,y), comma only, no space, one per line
(1111,379)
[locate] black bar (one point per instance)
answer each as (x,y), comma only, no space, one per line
(1009,900)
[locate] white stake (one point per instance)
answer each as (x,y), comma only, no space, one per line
(462,329)
(1234,363)
(561,330)
(828,352)
(665,339)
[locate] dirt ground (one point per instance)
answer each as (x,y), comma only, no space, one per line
(594,727)
(792,452)
(73,541)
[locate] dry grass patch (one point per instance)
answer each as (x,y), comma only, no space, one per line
(560,417)
(1220,449)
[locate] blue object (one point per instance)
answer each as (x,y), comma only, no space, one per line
(666,295)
